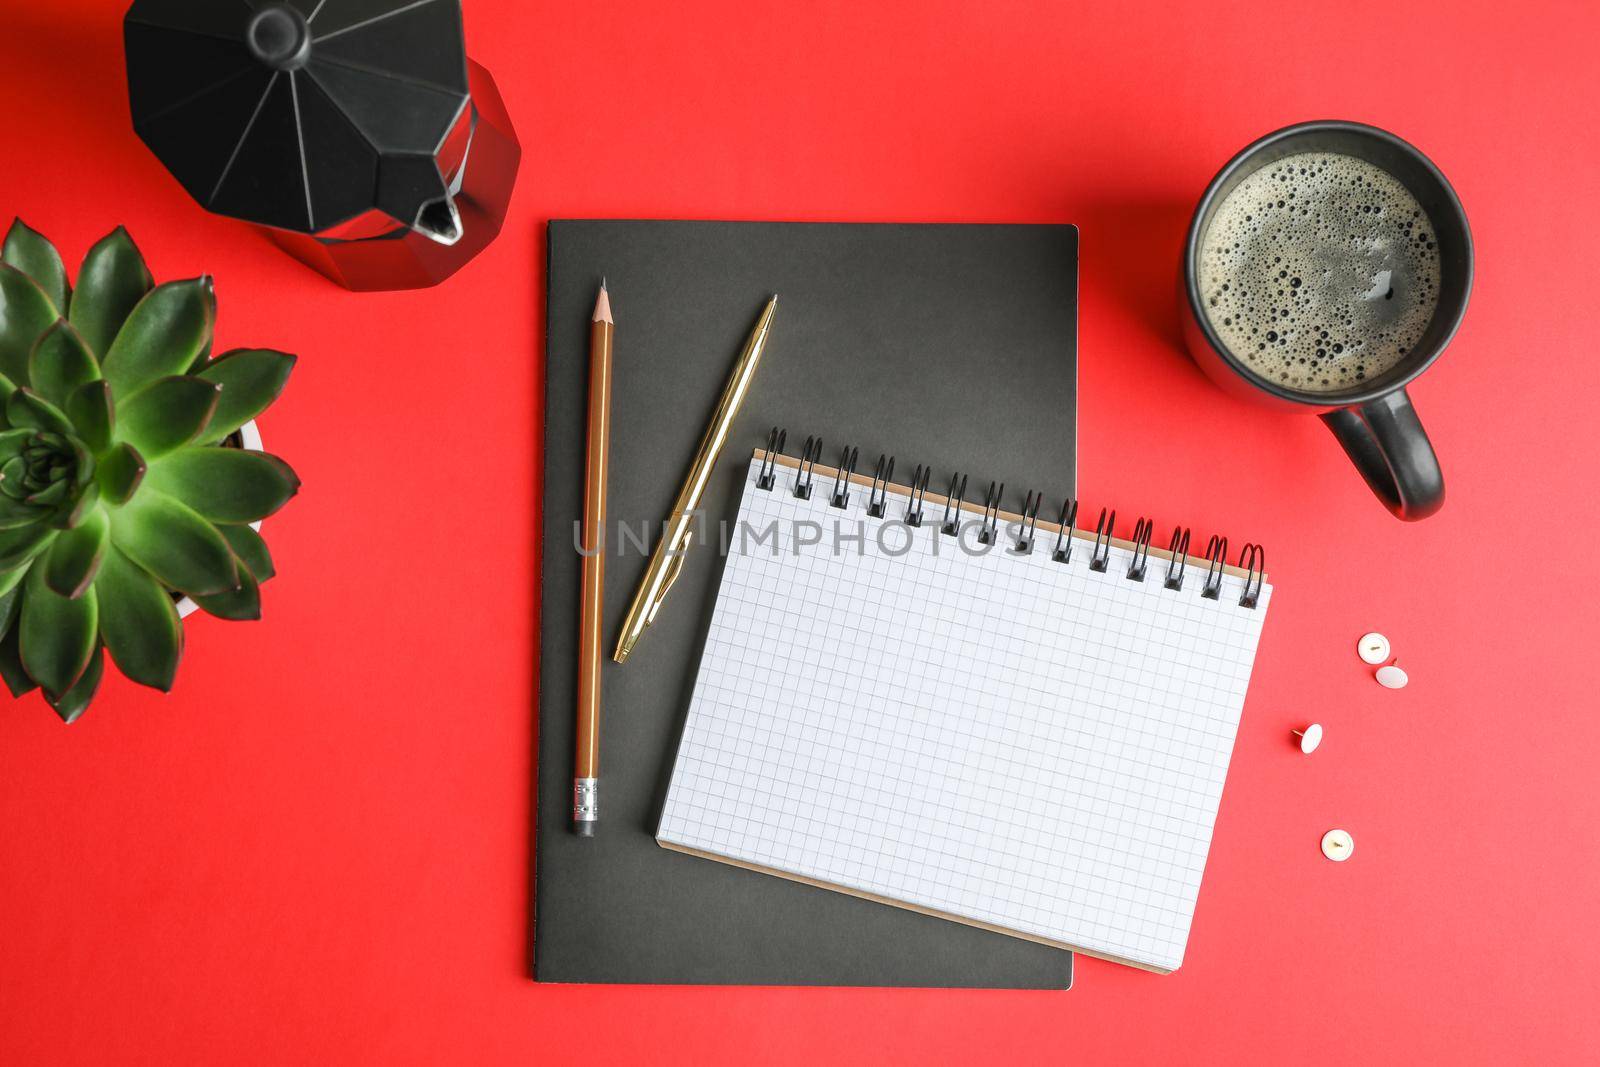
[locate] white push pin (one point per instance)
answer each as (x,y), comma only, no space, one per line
(1338,845)
(1310,738)
(1373,648)
(1392,677)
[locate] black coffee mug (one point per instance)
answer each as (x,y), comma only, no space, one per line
(1374,420)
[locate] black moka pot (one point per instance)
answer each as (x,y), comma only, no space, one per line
(357,131)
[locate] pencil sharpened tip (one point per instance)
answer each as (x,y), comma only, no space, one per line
(602,305)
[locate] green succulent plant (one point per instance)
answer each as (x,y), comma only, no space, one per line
(119,487)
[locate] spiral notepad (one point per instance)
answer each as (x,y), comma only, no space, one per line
(968,711)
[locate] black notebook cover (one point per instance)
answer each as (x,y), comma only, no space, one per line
(949,345)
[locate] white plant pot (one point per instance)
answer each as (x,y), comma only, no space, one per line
(250,438)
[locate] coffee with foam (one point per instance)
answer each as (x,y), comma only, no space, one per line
(1320,272)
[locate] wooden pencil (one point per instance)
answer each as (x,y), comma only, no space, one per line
(586,769)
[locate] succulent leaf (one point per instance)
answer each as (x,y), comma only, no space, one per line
(225,485)
(73,517)
(56,635)
(10,579)
(138,622)
(51,496)
(83,459)
(112,280)
(92,413)
(251,550)
(164,334)
(27,250)
(19,546)
(172,542)
(25,312)
(60,363)
(16,513)
(11,669)
(76,555)
(121,470)
(166,414)
(239,605)
(251,379)
(75,701)
(28,409)
(10,604)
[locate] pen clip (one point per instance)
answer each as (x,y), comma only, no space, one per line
(673,570)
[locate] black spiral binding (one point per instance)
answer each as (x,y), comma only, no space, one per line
(991,513)
(1179,561)
(1030,522)
(953,500)
(1216,559)
(1142,532)
(878,498)
(1102,549)
(1069,515)
(919,494)
(767,477)
(841,480)
(1252,558)
(1253,561)
(808,468)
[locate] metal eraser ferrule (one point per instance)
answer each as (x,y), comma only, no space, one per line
(585,803)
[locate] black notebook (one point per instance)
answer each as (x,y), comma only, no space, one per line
(955,346)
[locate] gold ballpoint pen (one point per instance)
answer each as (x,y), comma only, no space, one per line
(667,561)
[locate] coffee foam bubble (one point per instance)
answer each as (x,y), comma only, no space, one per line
(1320,271)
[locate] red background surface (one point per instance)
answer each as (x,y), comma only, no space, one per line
(318,847)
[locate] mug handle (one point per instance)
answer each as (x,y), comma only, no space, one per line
(1386,441)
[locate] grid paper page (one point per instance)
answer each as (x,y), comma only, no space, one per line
(1003,738)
